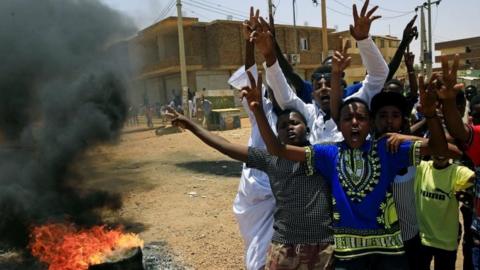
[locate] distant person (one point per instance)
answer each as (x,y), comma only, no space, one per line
(133,115)
(207,109)
(149,116)
(191,103)
(177,99)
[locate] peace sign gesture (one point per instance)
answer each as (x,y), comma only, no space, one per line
(428,95)
(341,60)
(362,23)
(263,38)
(449,88)
(249,25)
(253,94)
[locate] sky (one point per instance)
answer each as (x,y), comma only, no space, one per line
(451,19)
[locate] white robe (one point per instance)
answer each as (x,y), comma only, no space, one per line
(254,204)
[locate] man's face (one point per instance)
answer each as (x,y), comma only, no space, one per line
(354,124)
(291,129)
(388,119)
(321,94)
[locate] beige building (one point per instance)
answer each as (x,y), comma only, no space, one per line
(468,50)
(386,44)
(214,50)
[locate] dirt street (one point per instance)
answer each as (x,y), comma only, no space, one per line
(180,190)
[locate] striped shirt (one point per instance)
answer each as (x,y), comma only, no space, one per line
(303,203)
(404,196)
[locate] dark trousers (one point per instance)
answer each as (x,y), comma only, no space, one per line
(374,262)
(413,251)
(443,259)
(467,242)
(476,251)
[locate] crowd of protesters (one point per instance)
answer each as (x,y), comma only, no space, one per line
(368,176)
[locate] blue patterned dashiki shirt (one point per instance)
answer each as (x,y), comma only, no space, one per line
(364,216)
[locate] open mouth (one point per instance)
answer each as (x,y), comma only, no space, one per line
(291,135)
(325,98)
(355,135)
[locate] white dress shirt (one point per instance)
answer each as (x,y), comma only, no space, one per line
(326,131)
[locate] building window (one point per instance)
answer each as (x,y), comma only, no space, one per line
(304,46)
(382,43)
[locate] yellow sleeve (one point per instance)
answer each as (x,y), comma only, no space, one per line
(463,178)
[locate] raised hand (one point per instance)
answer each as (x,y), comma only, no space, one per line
(249,25)
(410,31)
(449,88)
(428,95)
(253,94)
(263,39)
(361,28)
(178,119)
(409,60)
(341,60)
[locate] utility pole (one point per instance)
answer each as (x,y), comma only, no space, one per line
(270,8)
(324,31)
(295,48)
(429,51)
(183,65)
(423,41)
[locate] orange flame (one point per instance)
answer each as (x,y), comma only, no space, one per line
(64,247)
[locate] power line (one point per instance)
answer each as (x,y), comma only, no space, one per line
(165,11)
(223,7)
(342,4)
(384,17)
(386,9)
(212,6)
(197,13)
(339,12)
(204,7)
(398,16)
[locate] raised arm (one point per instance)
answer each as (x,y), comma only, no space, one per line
(372,59)
(249,45)
(235,151)
(447,95)
(340,62)
(284,94)
(412,78)
(274,147)
(287,69)
(437,144)
(409,33)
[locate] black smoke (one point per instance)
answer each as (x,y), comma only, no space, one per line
(62,90)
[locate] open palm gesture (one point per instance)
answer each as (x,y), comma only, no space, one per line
(361,28)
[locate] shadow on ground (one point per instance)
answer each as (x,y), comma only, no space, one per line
(213,167)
